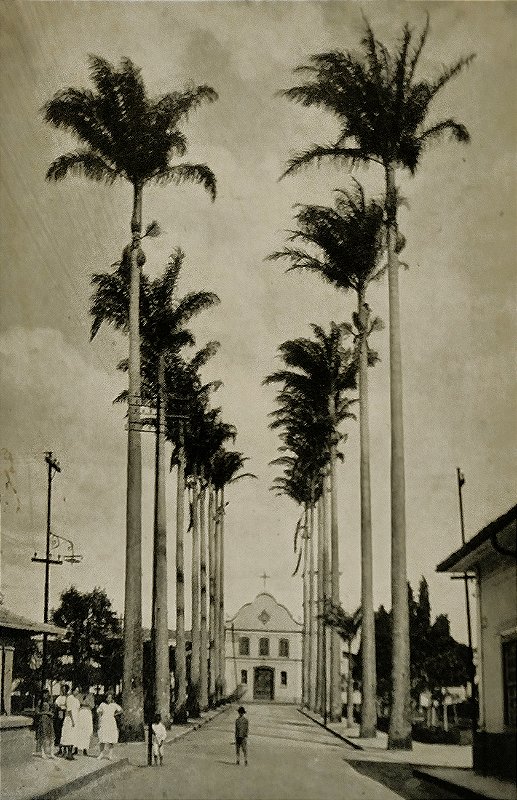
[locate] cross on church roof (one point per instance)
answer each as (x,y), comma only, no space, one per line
(264,578)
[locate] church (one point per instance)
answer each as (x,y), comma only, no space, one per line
(263,658)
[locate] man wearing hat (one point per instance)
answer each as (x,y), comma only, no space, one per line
(241,734)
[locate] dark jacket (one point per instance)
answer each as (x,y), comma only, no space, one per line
(241,727)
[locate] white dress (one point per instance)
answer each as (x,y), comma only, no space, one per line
(108,729)
(84,728)
(69,730)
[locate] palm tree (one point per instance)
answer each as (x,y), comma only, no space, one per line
(382,111)
(348,241)
(187,388)
(347,625)
(225,470)
(324,371)
(127,135)
(187,393)
(163,332)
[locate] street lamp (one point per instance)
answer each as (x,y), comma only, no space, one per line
(52,543)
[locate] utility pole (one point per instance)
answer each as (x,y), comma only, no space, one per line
(53,466)
(466,578)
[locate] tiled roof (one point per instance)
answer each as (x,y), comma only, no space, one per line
(15,622)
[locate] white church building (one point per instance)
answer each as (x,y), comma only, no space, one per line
(264,652)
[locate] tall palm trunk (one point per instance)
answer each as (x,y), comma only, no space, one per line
(160,620)
(327,581)
(335,644)
(312,613)
(350,688)
(217,603)
(181,658)
(320,608)
(211,592)
(369,679)
(305,601)
(195,660)
(222,632)
(132,690)
(399,737)
(203,639)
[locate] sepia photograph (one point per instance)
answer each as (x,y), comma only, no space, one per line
(258,400)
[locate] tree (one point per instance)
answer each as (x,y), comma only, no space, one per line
(163,318)
(382,109)
(127,135)
(86,652)
(347,625)
(225,470)
(324,371)
(187,391)
(348,241)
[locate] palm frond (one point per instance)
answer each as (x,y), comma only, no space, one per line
(81,163)
(189,173)
(350,155)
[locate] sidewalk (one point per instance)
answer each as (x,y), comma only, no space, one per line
(475,787)
(47,779)
(11,721)
(432,755)
(449,766)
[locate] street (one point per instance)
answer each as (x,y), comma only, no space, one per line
(290,758)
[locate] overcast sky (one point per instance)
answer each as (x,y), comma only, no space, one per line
(457,298)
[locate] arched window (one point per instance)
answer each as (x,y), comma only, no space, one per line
(264,646)
(244,646)
(283,648)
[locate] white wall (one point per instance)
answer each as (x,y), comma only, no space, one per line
(497,590)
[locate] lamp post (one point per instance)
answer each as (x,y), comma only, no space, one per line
(72,558)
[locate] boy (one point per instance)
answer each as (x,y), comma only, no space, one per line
(159,736)
(241,734)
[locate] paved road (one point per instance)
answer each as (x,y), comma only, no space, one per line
(290,758)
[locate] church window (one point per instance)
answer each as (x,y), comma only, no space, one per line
(283,678)
(283,648)
(244,646)
(244,676)
(263,646)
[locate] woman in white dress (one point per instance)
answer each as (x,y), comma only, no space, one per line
(85,723)
(108,729)
(69,730)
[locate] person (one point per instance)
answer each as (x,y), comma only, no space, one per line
(44,727)
(85,722)
(241,734)
(159,736)
(69,730)
(59,716)
(108,711)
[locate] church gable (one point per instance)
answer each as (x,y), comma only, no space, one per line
(264,613)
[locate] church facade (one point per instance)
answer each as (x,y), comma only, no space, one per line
(263,645)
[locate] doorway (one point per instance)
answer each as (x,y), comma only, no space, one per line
(264,683)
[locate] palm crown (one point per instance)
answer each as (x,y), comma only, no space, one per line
(380,105)
(126,133)
(345,243)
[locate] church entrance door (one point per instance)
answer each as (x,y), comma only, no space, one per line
(264,683)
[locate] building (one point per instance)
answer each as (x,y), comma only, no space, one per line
(491,557)
(263,644)
(13,631)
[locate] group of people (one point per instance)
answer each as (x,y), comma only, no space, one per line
(66,724)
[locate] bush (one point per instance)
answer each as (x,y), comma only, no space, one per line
(436,735)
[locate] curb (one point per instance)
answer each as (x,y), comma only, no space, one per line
(82,780)
(334,733)
(464,791)
(196,726)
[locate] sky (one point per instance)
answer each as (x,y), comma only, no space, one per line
(457,295)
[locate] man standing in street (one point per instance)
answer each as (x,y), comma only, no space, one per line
(241,734)
(59,717)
